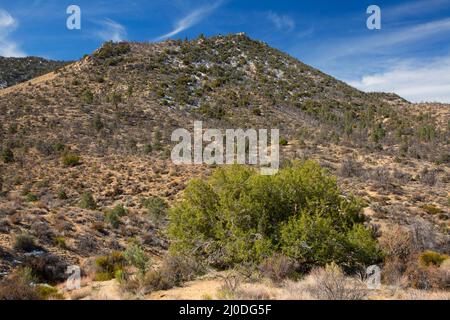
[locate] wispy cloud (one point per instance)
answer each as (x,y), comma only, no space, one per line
(112,30)
(191,19)
(388,41)
(413,8)
(414,80)
(8,47)
(281,22)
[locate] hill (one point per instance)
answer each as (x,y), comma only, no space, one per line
(17,70)
(95,136)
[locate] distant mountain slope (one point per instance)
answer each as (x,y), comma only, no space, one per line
(17,70)
(131,89)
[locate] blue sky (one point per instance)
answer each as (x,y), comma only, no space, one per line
(410,55)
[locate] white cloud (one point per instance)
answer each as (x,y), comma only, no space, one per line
(415,8)
(112,30)
(416,81)
(390,40)
(282,22)
(190,20)
(8,47)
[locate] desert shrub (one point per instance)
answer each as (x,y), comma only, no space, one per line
(31,197)
(428,177)
(119,210)
(87,201)
(148,149)
(106,267)
(398,247)
(397,243)
(136,257)
(86,245)
(112,218)
(156,208)
(87,96)
(427,278)
(7,155)
(431,209)
(382,177)
(47,268)
(47,292)
(278,268)
(283,142)
(350,168)
(330,283)
(174,271)
(18,286)
(70,159)
(231,287)
(62,195)
(111,49)
(24,242)
(60,242)
(97,123)
(432,258)
(239,216)
(115,98)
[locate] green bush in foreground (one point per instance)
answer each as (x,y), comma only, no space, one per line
(240,216)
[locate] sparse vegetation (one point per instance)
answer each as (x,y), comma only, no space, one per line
(71,159)
(431,258)
(156,208)
(100,132)
(24,242)
(7,155)
(87,201)
(107,267)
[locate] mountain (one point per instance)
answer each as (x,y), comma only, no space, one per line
(17,70)
(95,134)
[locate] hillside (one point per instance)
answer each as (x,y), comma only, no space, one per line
(95,136)
(17,70)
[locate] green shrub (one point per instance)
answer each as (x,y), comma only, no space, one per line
(431,258)
(433,210)
(87,96)
(24,242)
(7,155)
(136,257)
(97,123)
(113,219)
(119,210)
(111,50)
(108,266)
(31,197)
(70,160)
(240,216)
(47,292)
(148,149)
(283,142)
(156,208)
(60,242)
(87,201)
(62,195)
